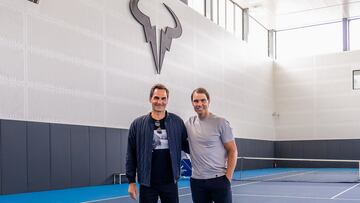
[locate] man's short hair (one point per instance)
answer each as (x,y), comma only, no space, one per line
(159,87)
(200,90)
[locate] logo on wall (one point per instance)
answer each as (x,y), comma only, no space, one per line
(166,36)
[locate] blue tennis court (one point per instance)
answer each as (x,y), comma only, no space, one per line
(243,191)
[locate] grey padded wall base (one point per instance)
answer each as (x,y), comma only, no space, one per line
(38,156)
(13,157)
(116,146)
(254,148)
(113,159)
(123,149)
(322,149)
(60,156)
(257,148)
(97,156)
(80,156)
(38,149)
(319,149)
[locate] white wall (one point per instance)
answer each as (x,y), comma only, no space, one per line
(314,97)
(86,62)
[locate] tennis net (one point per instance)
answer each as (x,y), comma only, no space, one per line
(297,170)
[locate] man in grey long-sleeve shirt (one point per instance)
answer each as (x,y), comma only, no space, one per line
(213,152)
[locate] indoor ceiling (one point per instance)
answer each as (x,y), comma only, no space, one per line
(287,14)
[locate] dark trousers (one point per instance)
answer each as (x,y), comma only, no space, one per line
(168,193)
(216,190)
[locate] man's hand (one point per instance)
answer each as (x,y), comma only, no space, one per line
(232,153)
(133,191)
(229,176)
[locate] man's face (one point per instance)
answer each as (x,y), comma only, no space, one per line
(200,103)
(159,100)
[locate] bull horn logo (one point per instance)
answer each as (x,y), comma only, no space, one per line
(166,35)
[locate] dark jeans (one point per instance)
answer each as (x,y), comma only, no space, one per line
(168,193)
(216,190)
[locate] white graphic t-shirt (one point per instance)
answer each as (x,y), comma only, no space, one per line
(160,140)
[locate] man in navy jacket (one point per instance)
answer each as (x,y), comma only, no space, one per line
(154,151)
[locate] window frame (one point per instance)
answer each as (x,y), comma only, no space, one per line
(353,79)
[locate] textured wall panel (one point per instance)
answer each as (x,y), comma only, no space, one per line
(64,40)
(11,23)
(51,106)
(12,62)
(90,18)
(65,73)
(12,101)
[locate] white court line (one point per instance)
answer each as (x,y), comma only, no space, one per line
(125,196)
(292,175)
(243,184)
(187,194)
(298,174)
(345,191)
(280,196)
(286,172)
(293,197)
(183,188)
(98,200)
(268,179)
(348,199)
(183,195)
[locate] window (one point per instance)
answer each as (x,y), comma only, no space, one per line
(225,13)
(312,40)
(222,12)
(258,37)
(198,5)
(356,79)
(215,11)
(208,9)
(354,28)
(238,21)
(230,16)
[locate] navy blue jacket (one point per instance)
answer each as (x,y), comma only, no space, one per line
(139,151)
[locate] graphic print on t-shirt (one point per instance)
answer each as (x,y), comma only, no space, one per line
(160,140)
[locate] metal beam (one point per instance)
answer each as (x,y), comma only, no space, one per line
(245,24)
(272,44)
(345,26)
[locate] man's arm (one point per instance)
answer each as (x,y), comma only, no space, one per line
(232,154)
(184,140)
(131,163)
